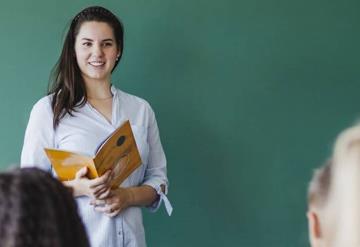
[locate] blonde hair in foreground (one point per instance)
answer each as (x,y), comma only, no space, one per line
(345,189)
(334,195)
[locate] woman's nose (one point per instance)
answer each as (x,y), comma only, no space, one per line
(97,50)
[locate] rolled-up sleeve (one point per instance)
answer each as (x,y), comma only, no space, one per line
(38,135)
(156,172)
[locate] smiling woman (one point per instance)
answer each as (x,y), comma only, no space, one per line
(80,111)
(96,51)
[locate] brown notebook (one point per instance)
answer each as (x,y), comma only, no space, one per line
(118,152)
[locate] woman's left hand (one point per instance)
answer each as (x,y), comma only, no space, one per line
(118,200)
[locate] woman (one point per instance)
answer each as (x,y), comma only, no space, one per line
(81,110)
(37,210)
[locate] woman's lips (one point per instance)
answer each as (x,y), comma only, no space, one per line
(97,63)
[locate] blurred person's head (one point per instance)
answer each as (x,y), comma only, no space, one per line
(334,195)
(37,210)
(318,194)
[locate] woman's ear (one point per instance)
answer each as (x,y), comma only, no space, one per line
(314,225)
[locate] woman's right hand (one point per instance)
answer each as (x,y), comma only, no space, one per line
(97,188)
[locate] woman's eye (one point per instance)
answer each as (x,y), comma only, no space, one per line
(87,44)
(107,44)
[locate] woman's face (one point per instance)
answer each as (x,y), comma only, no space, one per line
(96,50)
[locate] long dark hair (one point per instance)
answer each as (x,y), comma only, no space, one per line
(66,82)
(37,210)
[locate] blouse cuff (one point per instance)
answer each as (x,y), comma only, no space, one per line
(162,198)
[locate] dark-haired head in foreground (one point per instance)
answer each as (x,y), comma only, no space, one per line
(37,210)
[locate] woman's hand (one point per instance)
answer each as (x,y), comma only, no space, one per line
(118,200)
(97,188)
(121,198)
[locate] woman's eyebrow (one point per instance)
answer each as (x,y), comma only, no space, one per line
(104,40)
(107,40)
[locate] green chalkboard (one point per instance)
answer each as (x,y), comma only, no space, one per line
(249,97)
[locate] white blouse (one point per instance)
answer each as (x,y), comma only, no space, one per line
(82,133)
